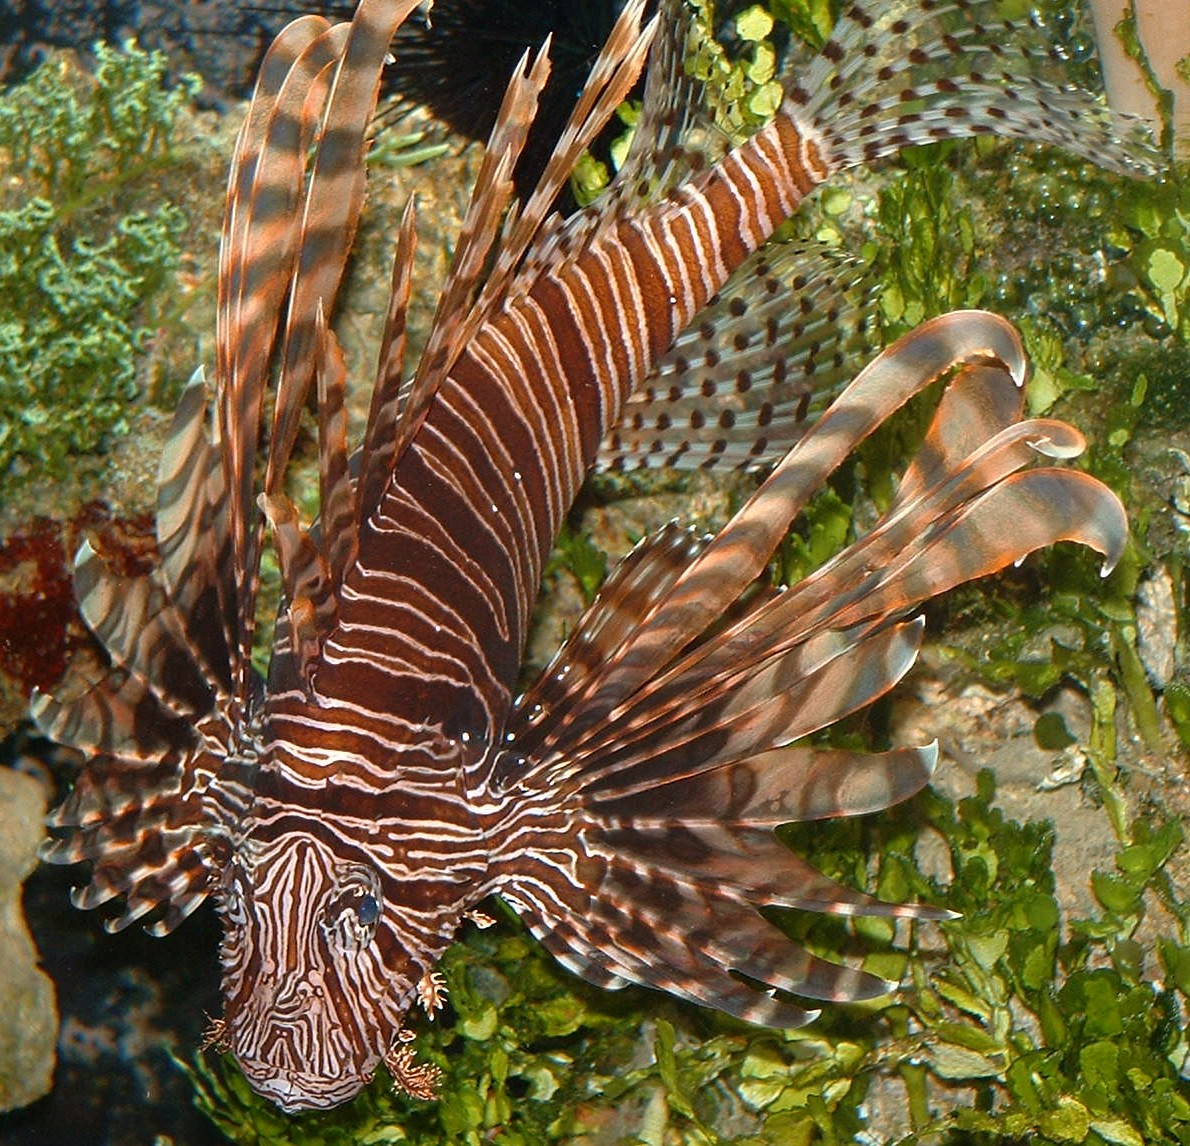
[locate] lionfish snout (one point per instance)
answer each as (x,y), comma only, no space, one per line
(295,1090)
(292,1044)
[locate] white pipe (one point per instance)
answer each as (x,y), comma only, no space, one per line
(1164,30)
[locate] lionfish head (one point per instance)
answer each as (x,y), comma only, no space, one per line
(312,1009)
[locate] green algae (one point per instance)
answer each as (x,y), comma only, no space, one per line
(83,281)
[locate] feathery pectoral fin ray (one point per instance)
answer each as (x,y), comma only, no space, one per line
(794,783)
(676,746)
(761,705)
(631,589)
(1043,505)
(737,556)
(192,535)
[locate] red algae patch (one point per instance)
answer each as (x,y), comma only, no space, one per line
(40,626)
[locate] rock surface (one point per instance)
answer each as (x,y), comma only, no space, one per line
(28,1015)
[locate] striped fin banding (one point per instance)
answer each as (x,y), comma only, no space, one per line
(380,443)
(673,782)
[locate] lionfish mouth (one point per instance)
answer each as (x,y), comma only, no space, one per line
(296,1091)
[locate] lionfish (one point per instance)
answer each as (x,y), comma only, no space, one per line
(350,811)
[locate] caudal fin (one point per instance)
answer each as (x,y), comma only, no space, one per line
(894,75)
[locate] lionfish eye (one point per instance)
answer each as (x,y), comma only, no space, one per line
(353,910)
(368,910)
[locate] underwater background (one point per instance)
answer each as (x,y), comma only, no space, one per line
(1054,1011)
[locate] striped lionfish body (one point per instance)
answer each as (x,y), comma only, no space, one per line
(349,811)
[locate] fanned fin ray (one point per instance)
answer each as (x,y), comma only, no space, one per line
(664,775)
(192,533)
(173,722)
(479,235)
(388,396)
(257,251)
(637,582)
(134,619)
(789,784)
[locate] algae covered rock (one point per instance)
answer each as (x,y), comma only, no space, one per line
(28,1015)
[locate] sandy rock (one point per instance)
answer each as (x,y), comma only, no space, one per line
(28,1015)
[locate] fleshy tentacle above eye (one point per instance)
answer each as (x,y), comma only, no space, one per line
(645,770)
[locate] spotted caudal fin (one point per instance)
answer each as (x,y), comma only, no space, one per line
(894,75)
(646,768)
(749,373)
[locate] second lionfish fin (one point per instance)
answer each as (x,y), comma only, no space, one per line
(891,76)
(155,720)
(143,811)
(662,777)
(747,377)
